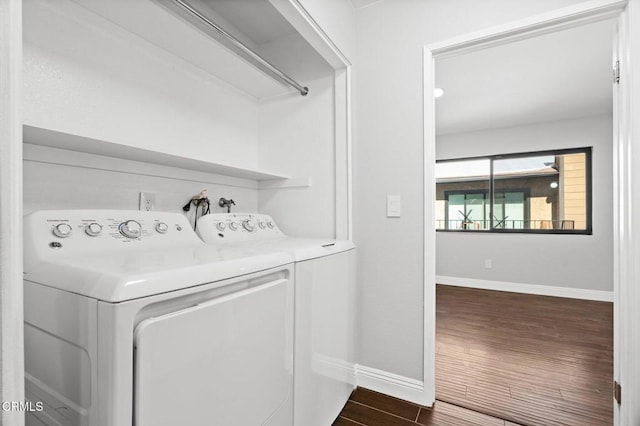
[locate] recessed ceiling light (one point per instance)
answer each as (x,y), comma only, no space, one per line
(438,92)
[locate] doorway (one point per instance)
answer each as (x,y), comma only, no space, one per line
(478,265)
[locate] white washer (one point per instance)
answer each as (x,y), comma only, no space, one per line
(324,309)
(131,319)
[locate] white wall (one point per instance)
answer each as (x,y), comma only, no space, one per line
(100,82)
(297,137)
(388,153)
(60,179)
(575,261)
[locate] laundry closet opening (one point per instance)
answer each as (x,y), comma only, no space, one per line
(524,247)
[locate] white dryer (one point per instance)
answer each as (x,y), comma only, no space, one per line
(130,319)
(324,308)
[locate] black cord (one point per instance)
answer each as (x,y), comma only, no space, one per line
(200,202)
(205,208)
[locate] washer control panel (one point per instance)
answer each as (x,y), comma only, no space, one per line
(237,227)
(95,230)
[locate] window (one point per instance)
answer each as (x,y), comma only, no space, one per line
(541,192)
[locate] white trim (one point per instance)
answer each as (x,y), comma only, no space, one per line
(349,156)
(556,20)
(341,115)
(584,12)
(429,233)
(620,40)
(627,221)
(541,290)
(391,384)
(343,154)
(11,293)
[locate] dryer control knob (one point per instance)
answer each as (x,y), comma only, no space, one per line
(93,229)
(130,229)
(233,226)
(270,224)
(62,230)
(262,224)
(221,226)
(249,225)
(162,228)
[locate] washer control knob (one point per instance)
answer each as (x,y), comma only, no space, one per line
(262,224)
(233,226)
(270,224)
(249,225)
(130,229)
(93,229)
(62,230)
(221,226)
(162,228)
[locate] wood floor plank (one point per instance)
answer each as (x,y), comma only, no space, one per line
(372,417)
(473,417)
(341,421)
(386,403)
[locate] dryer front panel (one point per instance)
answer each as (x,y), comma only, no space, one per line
(225,361)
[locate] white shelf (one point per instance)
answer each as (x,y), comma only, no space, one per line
(54,139)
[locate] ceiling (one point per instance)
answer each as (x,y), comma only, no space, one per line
(551,77)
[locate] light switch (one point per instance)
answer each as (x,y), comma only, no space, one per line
(394,206)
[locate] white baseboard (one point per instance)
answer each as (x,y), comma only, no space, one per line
(394,385)
(542,290)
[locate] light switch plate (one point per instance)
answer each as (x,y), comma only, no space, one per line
(394,206)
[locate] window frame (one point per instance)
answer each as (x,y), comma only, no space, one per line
(492,230)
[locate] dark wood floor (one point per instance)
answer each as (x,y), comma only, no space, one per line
(533,360)
(510,359)
(370,408)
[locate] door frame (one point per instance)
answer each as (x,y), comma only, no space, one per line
(626,202)
(11,296)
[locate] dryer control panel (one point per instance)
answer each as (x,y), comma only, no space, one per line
(85,232)
(223,228)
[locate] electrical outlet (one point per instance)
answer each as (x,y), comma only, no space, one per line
(147,201)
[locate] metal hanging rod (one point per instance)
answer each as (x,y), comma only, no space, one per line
(211,28)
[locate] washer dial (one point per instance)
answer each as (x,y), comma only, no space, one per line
(62,230)
(130,229)
(221,226)
(162,228)
(233,226)
(249,225)
(93,229)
